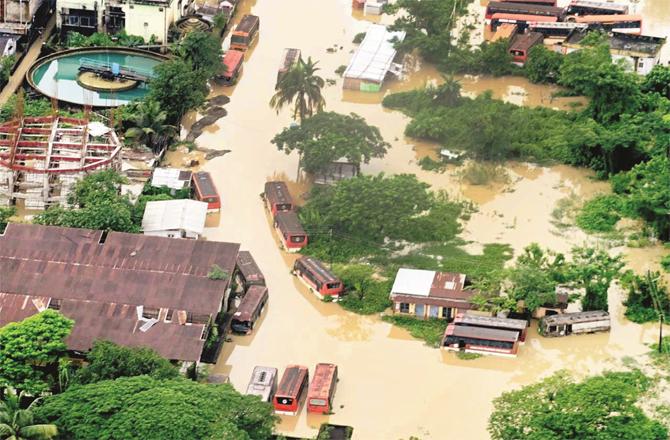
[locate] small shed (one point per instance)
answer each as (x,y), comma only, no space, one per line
(183,218)
(173,178)
(373,60)
(335,172)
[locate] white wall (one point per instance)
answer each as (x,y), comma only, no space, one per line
(148,20)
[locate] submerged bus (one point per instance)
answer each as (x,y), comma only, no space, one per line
(248,272)
(627,24)
(263,383)
(531,2)
(495,7)
(289,58)
(516,325)
(564,324)
(481,340)
(245,33)
(555,30)
(291,390)
(232,62)
(588,7)
(277,197)
(250,309)
(521,21)
(319,279)
(290,231)
(205,191)
(322,389)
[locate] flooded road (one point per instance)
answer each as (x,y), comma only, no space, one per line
(391,386)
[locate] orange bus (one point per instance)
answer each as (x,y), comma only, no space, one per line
(245,33)
(629,24)
(232,62)
(322,389)
(291,390)
(205,191)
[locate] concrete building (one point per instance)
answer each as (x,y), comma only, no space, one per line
(145,18)
(172,178)
(639,53)
(18,16)
(175,218)
(131,289)
(430,294)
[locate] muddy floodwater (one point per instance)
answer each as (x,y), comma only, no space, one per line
(391,386)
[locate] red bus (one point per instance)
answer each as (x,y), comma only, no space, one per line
(250,309)
(245,33)
(521,21)
(628,24)
(531,2)
(521,45)
(322,389)
(232,62)
(277,197)
(496,7)
(319,279)
(248,272)
(481,340)
(588,7)
(205,191)
(292,235)
(291,390)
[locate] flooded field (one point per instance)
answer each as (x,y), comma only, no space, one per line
(391,386)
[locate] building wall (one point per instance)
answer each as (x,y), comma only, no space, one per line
(89,5)
(641,65)
(147,20)
(426,311)
(21,12)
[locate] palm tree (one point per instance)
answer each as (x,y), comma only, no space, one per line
(302,87)
(449,92)
(149,124)
(17,423)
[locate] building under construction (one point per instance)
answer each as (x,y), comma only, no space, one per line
(41,158)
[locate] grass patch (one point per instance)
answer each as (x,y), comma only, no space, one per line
(467,356)
(600,214)
(665,263)
(478,173)
(661,359)
(427,163)
(563,215)
(429,330)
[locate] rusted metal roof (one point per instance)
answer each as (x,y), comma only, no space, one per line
(254,296)
(289,223)
(249,269)
(277,193)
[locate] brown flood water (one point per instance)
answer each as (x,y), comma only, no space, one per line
(391,386)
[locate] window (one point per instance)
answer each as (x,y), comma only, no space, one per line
(404,307)
(297,238)
(318,402)
(55,303)
(333,285)
(446,312)
(168,315)
(149,313)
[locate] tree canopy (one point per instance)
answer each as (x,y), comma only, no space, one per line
(178,88)
(302,87)
(30,350)
(557,408)
(16,423)
(202,50)
(328,136)
(145,408)
(107,360)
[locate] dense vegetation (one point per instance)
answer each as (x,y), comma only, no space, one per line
(30,351)
(643,292)
(146,408)
(600,407)
(75,39)
(327,137)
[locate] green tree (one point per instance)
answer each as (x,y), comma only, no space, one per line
(96,188)
(543,65)
(30,350)
(448,93)
(594,269)
(202,50)
(428,25)
(17,423)
(5,214)
(178,88)
(6,64)
(639,302)
(328,136)
(302,87)
(658,80)
(145,408)
(107,360)
(149,124)
(600,407)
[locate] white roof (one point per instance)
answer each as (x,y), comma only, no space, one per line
(97,129)
(166,215)
(168,177)
(413,282)
(375,54)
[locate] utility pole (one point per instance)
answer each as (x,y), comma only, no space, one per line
(653,292)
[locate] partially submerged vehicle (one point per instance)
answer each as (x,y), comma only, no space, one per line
(575,323)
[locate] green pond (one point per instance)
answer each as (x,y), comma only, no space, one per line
(57,78)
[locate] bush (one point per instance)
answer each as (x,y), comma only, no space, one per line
(429,330)
(364,294)
(665,263)
(600,214)
(477,173)
(358,38)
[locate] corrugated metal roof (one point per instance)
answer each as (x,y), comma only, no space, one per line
(166,215)
(375,54)
(413,282)
(173,178)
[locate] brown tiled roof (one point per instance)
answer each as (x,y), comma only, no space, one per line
(101,278)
